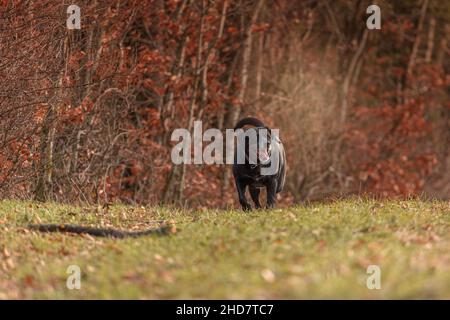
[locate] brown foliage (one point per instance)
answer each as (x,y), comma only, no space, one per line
(86,115)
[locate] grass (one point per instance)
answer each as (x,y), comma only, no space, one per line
(317,251)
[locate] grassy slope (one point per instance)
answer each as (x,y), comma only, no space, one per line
(320,251)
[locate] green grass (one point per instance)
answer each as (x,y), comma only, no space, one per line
(317,251)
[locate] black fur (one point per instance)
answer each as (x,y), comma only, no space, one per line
(249,175)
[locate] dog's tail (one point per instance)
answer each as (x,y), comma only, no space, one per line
(249,121)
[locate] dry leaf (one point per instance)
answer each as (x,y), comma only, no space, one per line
(6,253)
(268,275)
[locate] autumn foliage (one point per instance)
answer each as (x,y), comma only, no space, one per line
(87,115)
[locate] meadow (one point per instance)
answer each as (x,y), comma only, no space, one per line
(303,252)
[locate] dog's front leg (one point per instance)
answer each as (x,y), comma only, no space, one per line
(254,193)
(240,185)
(271,193)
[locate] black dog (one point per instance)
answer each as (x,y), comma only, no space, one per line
(269,169)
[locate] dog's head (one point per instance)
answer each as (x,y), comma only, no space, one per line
(258,145)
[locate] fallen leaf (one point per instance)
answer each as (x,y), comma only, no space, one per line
(6,253)
(268,275)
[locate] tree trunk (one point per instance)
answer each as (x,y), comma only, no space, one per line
(44,183)
(348,79)
(234,113)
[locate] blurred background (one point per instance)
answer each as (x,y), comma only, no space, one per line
(86,115)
